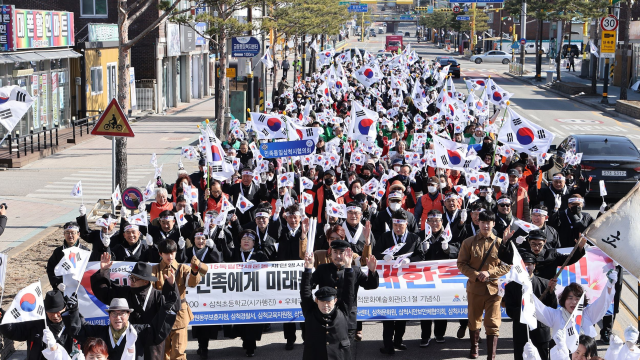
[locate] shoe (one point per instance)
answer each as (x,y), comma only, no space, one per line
(461,331)
(388,351)
(204,353)
(492,346)
(359,336)
(425,343)
(251,352)
(289,345)
(604,337)
(474,336)
(400,346)
(440,340)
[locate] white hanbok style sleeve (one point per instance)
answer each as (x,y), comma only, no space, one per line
(548,316)
(595,312)
(58,354)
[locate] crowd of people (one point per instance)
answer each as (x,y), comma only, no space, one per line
(437,212)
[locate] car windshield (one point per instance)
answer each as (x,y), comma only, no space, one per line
(445,62)
(609,148)
(394,43)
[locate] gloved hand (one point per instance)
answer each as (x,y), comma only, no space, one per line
(388,258)
(208,243)
(445,245)
(61,287)
(132,336)
(106,240)
(48,338)
(374,207)
(530,352)
(149,240)
(612,275)
(82,210)
(71,302)
(603,207)
(278,206)
(520,240)
(188,209)
(425,246)
(463,216)
(142,207)
(181,242)
(78,356)
(221,234)
(405,261)
(558,201)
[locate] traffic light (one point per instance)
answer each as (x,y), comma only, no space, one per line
(422,8)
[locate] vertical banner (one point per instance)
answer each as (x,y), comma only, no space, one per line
(132,89)
(6,30)
(44,103)
(55,111)
(35,95)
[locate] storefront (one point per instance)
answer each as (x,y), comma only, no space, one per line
(35,55)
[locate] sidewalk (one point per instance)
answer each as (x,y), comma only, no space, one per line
(38,195)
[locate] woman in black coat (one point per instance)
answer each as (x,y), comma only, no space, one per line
(205,250)
(327,318)
(246,253)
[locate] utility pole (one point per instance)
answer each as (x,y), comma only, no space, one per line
(605,86)
(473,28)
(539,51)
(500,31)
(304,55)
(264,68)
(523,33)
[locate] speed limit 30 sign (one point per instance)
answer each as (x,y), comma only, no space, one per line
(609,23)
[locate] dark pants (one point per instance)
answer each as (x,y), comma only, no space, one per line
(439,328)
(290,331)
(352,342)
(572,66)
(284,72)
(392,332)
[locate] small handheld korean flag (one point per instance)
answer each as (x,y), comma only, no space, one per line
(116,196)
(306,183)
(525,225)
(446,235)
(573,326)
(307,199)
(139,219)
(522,135)
(149,191)
(243,204)
(180,219)
(74,262)
(287,200)
(77,190)
(336,210)
(339,189)
(285,179)
(28,305)
(603,188)
(501,180)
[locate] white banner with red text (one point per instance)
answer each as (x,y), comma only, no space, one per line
(242,293)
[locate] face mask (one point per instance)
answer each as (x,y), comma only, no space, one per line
(396,168)
(365,177)
(402,178)
(269,177)
(432,189)
(570,182)
(576,209)
(328,181)
(443,185)
(478,139)
(394,206)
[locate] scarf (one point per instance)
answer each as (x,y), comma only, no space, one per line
(352,235)
(117,334)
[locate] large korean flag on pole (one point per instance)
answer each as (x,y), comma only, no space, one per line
(269,126)
(14,103)
(28,305)
(363,123)
(522,135)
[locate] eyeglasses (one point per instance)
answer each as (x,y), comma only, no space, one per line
(118,313)
(434,220)
(70,233)
(335,238)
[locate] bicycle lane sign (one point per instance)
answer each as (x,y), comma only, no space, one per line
(113,122)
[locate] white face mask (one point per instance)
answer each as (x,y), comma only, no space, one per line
(432,189)
(394,206)
(396,168)
(443,185)
(269,177)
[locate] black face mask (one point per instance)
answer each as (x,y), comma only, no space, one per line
(402,178)
(328,181)
(576,210)
(570,183)
(365,177)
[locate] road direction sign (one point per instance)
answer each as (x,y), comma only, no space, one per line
(113,122)
(523,41)
(609,23)
(287,148)
(127,198)
(358,8)
(456,9)
(515,46)
(429,9)
(463,18)
(245,46)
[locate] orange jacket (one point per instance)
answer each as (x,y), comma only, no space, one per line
(428,205)
(157,209)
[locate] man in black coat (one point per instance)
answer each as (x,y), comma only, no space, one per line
(265,228)
(167,229)
(327,319)
(541,336)
(393,330)
(133,248)
(453,215)
(383,222)
(31,331)
(252,192)
(118,334)
(548,260)
(71,235)
(571,222)
(539,217)
(332,275)
(103,239)
(144,300)
(554,197)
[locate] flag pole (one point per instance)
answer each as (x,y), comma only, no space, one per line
(5,136)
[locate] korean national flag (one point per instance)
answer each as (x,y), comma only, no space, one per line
(522,135)
(28,305)
(74,262)
(285,179)
(243,204)
(77,190)
(363,122)
(116,196)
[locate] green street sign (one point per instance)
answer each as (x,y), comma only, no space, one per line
(344,3)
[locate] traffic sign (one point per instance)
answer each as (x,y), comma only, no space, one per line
(463,18)
(245,46)
(113,122)
(128,195)
(608,43)
(429,9)
(456,9)
(523,41)
(515,46)
(609,23)
(287,148)
(344,3)
(358,8)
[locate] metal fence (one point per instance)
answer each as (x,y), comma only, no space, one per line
(144,99)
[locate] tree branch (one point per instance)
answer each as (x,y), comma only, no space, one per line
(142,10)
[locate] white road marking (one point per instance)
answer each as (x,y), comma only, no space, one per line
(534,117)
(558,132)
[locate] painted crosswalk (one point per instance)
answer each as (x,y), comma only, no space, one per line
(96,184)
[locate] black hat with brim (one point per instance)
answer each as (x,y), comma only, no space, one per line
(142,270)
(528,257)
(54,301)
(537,235)
(326,293)
(339,245)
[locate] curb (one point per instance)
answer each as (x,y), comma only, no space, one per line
(574,98)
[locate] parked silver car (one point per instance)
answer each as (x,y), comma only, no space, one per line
(493,56)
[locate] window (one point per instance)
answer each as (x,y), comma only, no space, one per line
(94,8)
(96,80)
(490,20)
